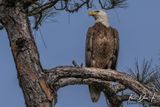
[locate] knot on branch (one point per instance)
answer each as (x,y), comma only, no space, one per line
(21,44)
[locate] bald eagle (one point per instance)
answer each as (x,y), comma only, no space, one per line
(102,44)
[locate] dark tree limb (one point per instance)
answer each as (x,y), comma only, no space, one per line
(119,87)
(45,8)
(42,8)
(111,96)
(68,6)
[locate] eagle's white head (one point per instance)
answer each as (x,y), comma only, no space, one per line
(100,16)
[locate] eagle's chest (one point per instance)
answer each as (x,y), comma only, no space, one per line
(102,44)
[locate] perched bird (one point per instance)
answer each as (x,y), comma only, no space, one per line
(102,44)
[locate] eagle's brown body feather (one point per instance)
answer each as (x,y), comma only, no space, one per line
(101,52)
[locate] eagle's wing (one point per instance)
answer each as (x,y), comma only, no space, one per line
(89,47)
(115,48)
(94,90)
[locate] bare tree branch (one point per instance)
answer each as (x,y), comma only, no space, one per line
(42,8)
(74,6)
(62,76)
(125,98)
(119,87)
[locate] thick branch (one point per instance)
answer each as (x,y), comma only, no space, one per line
(62,76)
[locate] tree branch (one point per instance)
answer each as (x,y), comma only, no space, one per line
(42,8)
(119,87)
(75,6)
(62,76)
(125,98)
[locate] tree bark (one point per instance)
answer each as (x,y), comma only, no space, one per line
(26,57)
(40,87)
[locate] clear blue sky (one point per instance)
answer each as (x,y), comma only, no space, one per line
(139,30)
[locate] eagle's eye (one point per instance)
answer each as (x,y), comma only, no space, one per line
(97,11)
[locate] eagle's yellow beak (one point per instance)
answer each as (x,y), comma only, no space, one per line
(92,13)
